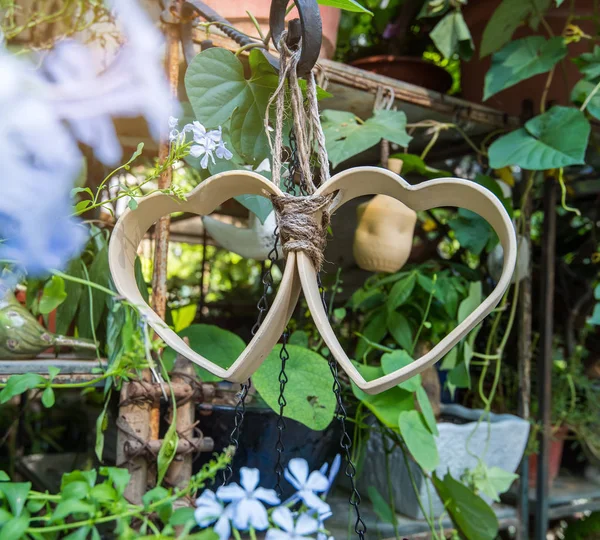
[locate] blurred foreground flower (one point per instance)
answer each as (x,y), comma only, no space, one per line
(44,116)
(290,529)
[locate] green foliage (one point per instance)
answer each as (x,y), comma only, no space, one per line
(346,135)
(220,95)
(89,501)
(491,481)
(580,93)
(348,5)
(589,64)
(473,232)
(418,439)
(452,36)
(522,59)
(308,392)
(507,17)
(471,515)
(554,139)
(54,294)
(412,163)
(383,510)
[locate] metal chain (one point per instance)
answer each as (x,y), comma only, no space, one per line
(240,411)
(345,442)
(281,425)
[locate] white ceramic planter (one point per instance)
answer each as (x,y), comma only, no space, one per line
(507,440)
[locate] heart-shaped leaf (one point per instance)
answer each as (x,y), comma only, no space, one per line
(554,139)
(53,296)
(308,393)
(396,360)
(522,59)
(452,36)
(400,329)
(580,93)
(347,137)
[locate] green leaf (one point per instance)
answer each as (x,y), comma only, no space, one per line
(101,425)
(427,410)
(471,302)
(471,515)
(391,362)
(347,5)
(259,206)
(589,64)
(75,476)
(90,313)
(554,139)
(53,371)
(346,137)
(380,506)
(139,278)
(4,477)
(300,338)
(503,23)
(595,318)
(385,406)
(53,296)
(401,292)
(492,481)
(219,92)
(48,397)
(491,184)
(580,93)
(119,477)
(375,330)
(182,516)
(76,490)
(17,384)
(400,329)
(15,528)
(104,493)
(308,392)
(184,316)
(16,495)
(217,345)
(72,506)
(419,440)
(522,59)
(452,36)
(167,452)
(79,534)
(34,506)
(133,204)
(412,163)
(471,230)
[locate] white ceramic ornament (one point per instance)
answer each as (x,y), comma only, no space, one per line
(252,242)
(299,271)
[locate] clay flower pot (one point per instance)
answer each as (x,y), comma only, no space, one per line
(235,13)
(409,69)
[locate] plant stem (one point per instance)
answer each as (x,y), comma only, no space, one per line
(424,319)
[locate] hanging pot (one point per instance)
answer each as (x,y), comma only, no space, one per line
(511,100)
(409,69)
(384,236)
(236,14)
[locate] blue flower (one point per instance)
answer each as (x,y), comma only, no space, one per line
(209,510)
(307,485)
(290,529)
(248,510)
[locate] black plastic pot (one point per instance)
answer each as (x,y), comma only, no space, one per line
(258,439)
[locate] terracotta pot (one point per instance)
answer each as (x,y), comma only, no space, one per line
(409,69)
(235,13)
(478,14)
(556,449)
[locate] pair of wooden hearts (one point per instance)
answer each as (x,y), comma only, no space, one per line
(299,272)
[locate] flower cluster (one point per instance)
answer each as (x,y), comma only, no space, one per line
(243,506)
(206,144)
(46,113)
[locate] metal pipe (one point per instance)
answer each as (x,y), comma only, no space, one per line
(546,317)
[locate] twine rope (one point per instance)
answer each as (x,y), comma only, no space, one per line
(302,221)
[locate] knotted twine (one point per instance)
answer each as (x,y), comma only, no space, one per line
(302,220)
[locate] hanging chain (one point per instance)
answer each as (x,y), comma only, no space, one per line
(281,425)
(240,411)
(345,442)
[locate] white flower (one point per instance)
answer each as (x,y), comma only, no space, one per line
(307,485)
(248,510)
(173,122)
(210,510)
(299,530)
(333,472)
(222,152)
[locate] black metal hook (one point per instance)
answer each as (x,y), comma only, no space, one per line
(309,28)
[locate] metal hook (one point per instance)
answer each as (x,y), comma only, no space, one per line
(310,30)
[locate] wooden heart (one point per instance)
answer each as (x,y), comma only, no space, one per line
(434,193)
(299,270)
(204,199)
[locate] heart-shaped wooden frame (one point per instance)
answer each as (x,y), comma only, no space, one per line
(299,271)
(202,200)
